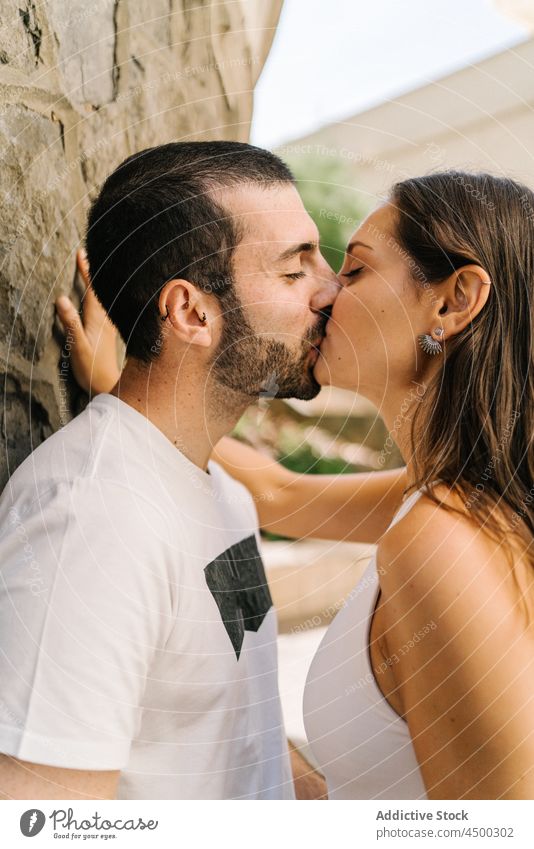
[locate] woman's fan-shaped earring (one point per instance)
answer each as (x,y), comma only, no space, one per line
(429,344)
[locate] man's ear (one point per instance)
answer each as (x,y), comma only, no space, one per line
(461,298)
(186,310)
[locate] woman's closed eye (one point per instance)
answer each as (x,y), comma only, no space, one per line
(353,272)
(296,275)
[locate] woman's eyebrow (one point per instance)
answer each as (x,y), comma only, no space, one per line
(356,243)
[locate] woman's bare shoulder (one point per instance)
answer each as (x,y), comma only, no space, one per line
(431,521)
(432,542)
(458,639)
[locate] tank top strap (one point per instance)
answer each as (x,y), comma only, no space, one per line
(407,505)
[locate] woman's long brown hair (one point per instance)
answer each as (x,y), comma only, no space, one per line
(475,431)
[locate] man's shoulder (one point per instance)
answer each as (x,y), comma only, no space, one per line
(235,492)
(86,460)
(68,454)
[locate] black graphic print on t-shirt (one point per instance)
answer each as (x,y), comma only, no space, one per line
(237,582)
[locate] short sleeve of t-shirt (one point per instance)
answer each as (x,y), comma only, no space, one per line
(85,601)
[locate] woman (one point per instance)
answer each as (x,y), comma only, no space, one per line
(422,686)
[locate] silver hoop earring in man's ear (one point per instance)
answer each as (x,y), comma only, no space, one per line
(429,344)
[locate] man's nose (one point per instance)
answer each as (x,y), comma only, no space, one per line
(326,293)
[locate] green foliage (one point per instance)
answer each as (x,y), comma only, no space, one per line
(305,461)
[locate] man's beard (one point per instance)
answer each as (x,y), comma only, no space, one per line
(258,367)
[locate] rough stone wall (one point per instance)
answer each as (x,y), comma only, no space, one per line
(83,84)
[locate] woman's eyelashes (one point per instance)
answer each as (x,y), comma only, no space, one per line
(296,275)
(353,272)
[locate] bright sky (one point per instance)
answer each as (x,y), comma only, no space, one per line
(333,58)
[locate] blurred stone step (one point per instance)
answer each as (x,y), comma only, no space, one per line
(309,579)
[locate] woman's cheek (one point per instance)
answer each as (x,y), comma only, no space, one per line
(343,305)
(350,317)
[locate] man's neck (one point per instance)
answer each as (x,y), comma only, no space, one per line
(183,408)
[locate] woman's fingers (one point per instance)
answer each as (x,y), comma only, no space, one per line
(70,318)
(95,318)
(92,337)
(83,267)
(80,349)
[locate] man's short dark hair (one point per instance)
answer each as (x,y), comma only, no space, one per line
(155,220)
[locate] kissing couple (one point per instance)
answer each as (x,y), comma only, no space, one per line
(145,666)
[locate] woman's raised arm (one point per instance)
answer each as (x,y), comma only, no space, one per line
(356,507)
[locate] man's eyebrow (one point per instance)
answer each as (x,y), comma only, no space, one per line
(355,244)
(295,250)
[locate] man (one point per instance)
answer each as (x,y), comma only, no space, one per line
(137,630)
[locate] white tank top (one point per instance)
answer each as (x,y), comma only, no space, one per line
(363,747)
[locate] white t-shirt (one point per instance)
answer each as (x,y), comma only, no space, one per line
(137,630)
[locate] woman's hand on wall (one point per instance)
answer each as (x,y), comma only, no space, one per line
(92,337)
